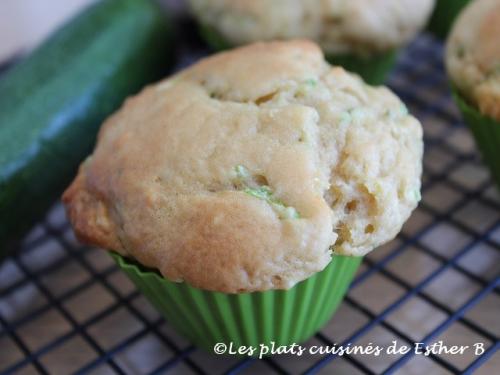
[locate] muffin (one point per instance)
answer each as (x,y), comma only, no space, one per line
(240,194)
(473,65)
(362,36)
(443,16)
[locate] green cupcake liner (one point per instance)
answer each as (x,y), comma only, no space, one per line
(250,319)
(373,69)
(213,38)
(444,15)
(486,132)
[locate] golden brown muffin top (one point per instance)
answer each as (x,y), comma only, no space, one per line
(245,171)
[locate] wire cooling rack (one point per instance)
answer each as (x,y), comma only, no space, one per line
(66,308)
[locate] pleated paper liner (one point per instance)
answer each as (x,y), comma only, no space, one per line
(444,15)
(486,132)
(281,316)
(373,69)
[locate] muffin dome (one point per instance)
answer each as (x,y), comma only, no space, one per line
(362,27)
(245,171)
(473,55)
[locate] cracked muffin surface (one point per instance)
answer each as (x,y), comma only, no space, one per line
(473,55)
(247,170)
(362,27)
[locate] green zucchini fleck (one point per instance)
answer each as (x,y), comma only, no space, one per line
(263,192)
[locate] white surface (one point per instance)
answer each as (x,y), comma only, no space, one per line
(25,23)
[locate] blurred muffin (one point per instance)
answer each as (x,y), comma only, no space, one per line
(473,56)
(245,174)
(473,64)
(360,35)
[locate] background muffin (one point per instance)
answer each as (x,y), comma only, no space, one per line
(473,56)
(367,32)
(244,173)
(473,64)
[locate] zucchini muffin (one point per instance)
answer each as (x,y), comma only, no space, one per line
(357,34)
(473,65)
(248,170)
(473,56)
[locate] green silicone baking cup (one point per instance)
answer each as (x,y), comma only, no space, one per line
(373,69)
(486,132)
(444,15)
(213,38)
(281,316)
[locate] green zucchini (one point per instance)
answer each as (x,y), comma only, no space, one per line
(53,102)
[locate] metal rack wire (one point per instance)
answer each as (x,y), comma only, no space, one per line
(65,308)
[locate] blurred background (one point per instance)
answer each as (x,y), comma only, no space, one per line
(25,23)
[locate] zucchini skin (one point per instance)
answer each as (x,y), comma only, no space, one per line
(53,102)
